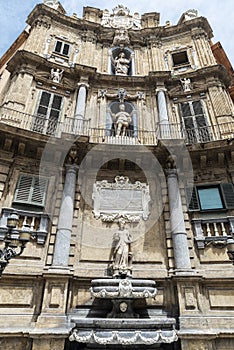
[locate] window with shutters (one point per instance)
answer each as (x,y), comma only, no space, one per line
(213,197)
(47,113)
(194,122)
(62,48)
(30,191)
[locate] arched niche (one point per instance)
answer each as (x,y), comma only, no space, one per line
(121,57)
(112,110)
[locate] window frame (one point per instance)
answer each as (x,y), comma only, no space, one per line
(226,192)
(61,51)
(182,64)
(41,121)
(196,133)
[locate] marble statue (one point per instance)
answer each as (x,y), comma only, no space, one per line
(122,253)
(122,119)
(121,64)
(186,84)
(56,75)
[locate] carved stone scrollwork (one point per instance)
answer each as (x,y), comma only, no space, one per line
(121,199)
(121,38)
(121,18)
(121,95)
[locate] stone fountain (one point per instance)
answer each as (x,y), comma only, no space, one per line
(116,320)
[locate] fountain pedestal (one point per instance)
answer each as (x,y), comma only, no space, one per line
(123,325)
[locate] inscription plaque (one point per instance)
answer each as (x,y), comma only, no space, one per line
(121,199)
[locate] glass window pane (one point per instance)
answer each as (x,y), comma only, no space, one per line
(65,49)
(58,46)
(57,100)
(210,198)
(45,99)
(197,107)
(185,108)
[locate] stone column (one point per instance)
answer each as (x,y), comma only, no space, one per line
(179,236)
(80,106)
(63,236)
(163,114)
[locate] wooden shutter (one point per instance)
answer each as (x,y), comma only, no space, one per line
(39,191)
(31,190)
(228,195)
(192,198)
(23,190)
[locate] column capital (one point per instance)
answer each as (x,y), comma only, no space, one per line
(171,172)
(71,168)
(84,81)
(161,88)
(84,84)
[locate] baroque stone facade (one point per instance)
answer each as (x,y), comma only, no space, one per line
(117,155)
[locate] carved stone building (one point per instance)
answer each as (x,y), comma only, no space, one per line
(116,184)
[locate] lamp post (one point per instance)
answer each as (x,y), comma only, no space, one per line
(14,240)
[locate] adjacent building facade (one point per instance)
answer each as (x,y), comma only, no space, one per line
(117,161)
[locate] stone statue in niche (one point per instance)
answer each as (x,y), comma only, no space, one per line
(56,75)
(122,64)
(122,264)
(122,120)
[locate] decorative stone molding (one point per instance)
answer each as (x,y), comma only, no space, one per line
(122,95)
(125,289)
(124,338)
(121,18)
(212,231)
(121,199)
(121,38)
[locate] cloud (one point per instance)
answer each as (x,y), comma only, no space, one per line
(220,15)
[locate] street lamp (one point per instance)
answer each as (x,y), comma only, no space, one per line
(14,240)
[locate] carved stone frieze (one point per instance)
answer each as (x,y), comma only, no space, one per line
(118,337)
(124,290)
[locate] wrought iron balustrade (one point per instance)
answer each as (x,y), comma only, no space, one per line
(77,126)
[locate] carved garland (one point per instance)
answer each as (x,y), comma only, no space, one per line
(116,338)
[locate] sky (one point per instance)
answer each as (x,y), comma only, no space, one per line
(220,14)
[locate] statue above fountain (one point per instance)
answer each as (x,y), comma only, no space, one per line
(122,264)
(117,320)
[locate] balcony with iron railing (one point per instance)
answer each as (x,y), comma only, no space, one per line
(81,127)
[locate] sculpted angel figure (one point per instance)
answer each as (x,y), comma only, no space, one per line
(122,119)
(186,84)
(56,75)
